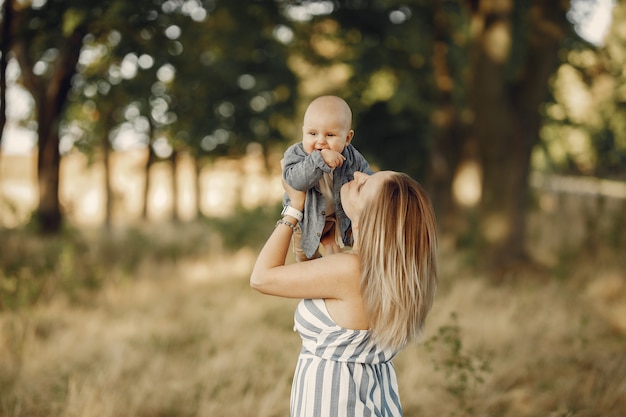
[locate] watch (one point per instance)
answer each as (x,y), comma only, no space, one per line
(290,211)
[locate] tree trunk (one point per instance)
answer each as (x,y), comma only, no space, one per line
(174,165)
(148,167)
(50,97)
(5,47)
(106,156)
(146,189)
(449,151)
(196,178)
(48,215)
(198,171)
(451,144)
(511,76)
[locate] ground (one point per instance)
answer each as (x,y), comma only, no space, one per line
(190,338)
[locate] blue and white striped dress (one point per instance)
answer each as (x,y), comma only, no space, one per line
(340,372)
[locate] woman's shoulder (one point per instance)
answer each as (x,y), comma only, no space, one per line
(347,309)
(345,264)
(348,257)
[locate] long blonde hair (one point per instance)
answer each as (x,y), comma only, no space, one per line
(398,255)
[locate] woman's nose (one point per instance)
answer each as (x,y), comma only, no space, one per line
(359,174)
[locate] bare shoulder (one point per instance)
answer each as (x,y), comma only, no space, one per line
(346,257)
(346,266)
(347,310)
(345,263)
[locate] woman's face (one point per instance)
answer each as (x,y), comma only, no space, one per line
(356,193)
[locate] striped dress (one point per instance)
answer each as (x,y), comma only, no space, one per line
(340,372)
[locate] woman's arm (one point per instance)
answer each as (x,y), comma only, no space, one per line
(335,276)
(330,277)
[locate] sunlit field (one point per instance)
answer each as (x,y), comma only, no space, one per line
(159,321)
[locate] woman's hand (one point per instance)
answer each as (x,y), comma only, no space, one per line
(296,197)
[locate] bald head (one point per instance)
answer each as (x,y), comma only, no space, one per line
(327,125)
(331,106)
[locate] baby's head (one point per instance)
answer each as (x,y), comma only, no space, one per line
(327,125)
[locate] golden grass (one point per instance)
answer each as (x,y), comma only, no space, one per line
(190,338)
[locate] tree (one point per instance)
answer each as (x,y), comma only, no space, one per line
(48,64)
(212,72)
(5,47)
(583,132)
(47,42)
(516,53)
(453,81)
(384,49)
(232,87)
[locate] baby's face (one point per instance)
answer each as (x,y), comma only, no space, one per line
(325,127)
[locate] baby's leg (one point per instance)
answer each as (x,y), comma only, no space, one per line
(299,254)
(297,246)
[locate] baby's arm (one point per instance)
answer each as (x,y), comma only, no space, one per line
(303,171)
(364,166)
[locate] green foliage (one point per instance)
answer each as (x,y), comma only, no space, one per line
(381,142)
(463,370)
(245,227)
(226,87)
(35,269)
(389,50)
(585,118)
(73,264)
(209,78)
(32,267)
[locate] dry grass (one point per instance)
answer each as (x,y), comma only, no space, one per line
(190,338)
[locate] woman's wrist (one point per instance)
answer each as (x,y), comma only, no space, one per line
(292,212)
(299,207)
(289,221)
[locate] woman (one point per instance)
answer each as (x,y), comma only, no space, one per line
(360,307)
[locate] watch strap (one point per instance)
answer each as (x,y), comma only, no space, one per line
(290,211)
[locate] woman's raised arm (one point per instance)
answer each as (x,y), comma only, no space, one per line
(333,276)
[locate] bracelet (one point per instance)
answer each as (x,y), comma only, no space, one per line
(285,222)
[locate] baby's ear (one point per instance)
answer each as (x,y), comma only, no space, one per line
(350,136)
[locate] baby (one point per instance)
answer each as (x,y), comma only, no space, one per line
(320,165)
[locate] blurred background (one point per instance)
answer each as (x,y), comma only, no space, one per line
(139,166)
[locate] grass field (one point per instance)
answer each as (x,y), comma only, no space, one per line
(168,327)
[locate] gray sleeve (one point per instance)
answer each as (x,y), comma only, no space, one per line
(302,171)
(360,163)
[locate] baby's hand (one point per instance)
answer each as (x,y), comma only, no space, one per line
(332,158)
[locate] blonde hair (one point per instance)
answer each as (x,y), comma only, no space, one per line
(398,250)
